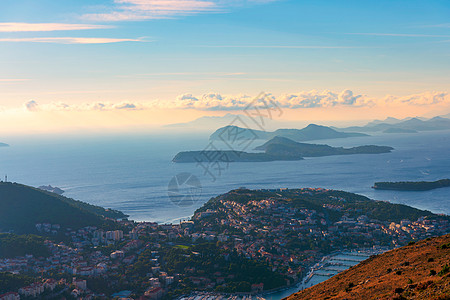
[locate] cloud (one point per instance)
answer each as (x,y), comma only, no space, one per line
(32,106)
(305,99)
(34,27)
(324,99)
(427,98)
(126,106)
(135,10)
(71,40)
(219,102)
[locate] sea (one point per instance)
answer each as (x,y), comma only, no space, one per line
(134,172)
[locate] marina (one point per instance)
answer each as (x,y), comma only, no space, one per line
(328,267)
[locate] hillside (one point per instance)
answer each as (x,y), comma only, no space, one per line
(309,133)
(22,207)
(12,245)
(416,271)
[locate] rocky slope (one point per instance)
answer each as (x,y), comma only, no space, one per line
(417,271)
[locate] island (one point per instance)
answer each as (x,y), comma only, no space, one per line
(4,145)
(309,133)
(227,156)
(277,149)
(412,185)
(51,189)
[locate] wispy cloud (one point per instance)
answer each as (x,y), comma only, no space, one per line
(134,10)
(36,27)
(400,34)
(71,40)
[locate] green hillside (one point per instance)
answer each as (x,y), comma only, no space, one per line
(12,245)
(22,207)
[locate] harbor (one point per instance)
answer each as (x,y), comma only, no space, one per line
(328,267)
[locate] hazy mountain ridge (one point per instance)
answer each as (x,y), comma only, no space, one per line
(309,133)
(408,125)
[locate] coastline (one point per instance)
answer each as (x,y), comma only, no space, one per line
(301,284)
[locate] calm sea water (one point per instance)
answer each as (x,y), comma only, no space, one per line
(131,173)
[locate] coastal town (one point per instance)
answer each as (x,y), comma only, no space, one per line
(239,245)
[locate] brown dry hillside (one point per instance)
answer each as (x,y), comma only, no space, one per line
(417,271)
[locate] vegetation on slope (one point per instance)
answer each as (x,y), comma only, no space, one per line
(12,245)
(11,282)
(417,271)
(22,207)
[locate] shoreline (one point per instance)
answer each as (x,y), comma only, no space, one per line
(301,283)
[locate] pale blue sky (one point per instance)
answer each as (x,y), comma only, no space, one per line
(141,50)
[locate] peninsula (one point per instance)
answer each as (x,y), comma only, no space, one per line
(412,185)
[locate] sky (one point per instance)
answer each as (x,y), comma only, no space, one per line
(78,64)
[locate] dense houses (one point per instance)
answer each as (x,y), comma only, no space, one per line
(290,238)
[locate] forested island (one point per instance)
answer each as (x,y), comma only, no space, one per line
(277,149)
(412,185)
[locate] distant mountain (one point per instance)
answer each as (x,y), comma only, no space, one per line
(3,145)
(418,271)
(399,130)
(276,149)
(388,120)
(22,207)
(208,122)
(408,125)
(309,133)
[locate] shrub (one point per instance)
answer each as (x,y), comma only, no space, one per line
(445,246)
(445,270)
